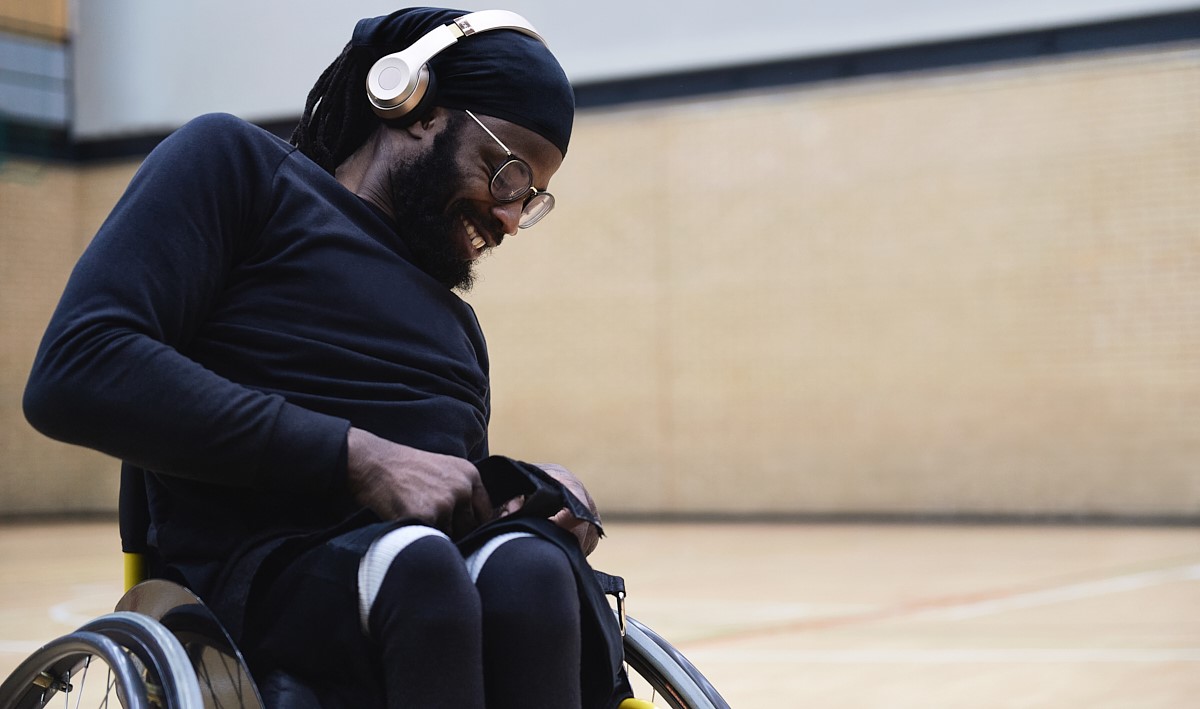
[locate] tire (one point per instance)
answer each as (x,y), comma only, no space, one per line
(158,651)
(70,665)
(671,675)
(216,664)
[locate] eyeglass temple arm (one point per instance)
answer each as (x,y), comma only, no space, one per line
(489,132)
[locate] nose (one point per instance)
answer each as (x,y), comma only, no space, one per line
(509,215)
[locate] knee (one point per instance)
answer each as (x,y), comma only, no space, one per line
(529,579)
(539,564)
(415,568)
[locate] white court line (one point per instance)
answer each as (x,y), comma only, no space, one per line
(946,656)
(738,607)
(1073,592)
(87,602)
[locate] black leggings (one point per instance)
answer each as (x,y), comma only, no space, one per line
(437,638)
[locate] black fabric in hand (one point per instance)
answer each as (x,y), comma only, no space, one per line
(505,478)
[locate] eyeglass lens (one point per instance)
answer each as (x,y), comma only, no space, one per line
(537,207)
(512,181)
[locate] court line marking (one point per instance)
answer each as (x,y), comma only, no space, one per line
(963,606)
(733,607)
(947,656)
(1062,594)
(86,602)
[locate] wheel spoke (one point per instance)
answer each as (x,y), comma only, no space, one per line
(82,682)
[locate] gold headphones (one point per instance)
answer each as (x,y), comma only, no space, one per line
(398,83)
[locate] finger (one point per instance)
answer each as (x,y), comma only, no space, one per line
(481,504)
(590,539)
(510,507)
(577,527)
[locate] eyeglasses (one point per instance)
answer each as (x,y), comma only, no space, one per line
(513,180)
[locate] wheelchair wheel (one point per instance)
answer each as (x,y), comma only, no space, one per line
(157,650)
(120,659)
(217,665)
(88,668)
(670,675)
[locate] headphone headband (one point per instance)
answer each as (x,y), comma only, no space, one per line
(397,83)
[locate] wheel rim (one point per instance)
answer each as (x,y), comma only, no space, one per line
(83,669)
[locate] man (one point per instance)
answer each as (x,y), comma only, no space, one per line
(269,335)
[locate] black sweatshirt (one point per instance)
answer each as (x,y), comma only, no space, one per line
(235,314)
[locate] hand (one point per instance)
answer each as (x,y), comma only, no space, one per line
(586,532)
(396,481)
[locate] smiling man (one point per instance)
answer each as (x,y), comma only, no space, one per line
(267,335)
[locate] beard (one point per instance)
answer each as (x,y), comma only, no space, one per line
(421,190)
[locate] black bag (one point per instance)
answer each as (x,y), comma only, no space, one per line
(603,679)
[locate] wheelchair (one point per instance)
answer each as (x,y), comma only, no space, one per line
(162,648)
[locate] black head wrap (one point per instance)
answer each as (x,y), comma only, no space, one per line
(500,73)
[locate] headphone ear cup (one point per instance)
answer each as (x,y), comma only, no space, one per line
(395,86)
(412,106)
(422,99)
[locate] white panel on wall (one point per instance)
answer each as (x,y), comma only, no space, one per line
(149,66)
(33,80)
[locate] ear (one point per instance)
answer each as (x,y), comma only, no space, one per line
(431,124)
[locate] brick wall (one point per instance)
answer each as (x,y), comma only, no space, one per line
(48,213)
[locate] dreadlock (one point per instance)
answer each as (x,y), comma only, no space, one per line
(337,118)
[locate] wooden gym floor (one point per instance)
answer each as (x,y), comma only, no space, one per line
(813,615)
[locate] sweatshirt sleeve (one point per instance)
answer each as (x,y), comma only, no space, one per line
(110,373)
